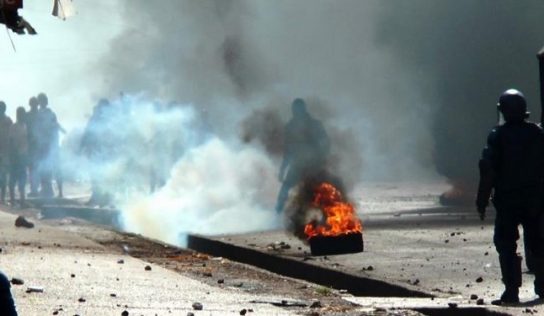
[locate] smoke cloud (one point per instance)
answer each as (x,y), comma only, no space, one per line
(403,89)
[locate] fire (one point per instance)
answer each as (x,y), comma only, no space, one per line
(340,215)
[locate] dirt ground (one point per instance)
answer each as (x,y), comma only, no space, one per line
(301,297)
(311,299)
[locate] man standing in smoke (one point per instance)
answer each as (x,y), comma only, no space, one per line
(18,143)
(48,148)
(33,143)
(306,147)
(95,145)
(5,125)
(512,167)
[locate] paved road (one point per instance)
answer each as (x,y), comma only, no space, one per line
(82,277)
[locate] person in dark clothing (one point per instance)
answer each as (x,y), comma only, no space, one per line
(95,144)
(7,305)
(33,143)
(512,166)
(48,148)
(306,148)
(18,156)
(5,125)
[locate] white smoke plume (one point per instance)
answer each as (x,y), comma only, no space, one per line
(232,59)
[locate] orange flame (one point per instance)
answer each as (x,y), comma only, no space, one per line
(340,215)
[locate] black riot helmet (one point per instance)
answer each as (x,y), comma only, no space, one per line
(513,106)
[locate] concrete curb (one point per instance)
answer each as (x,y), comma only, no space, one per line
(356,285)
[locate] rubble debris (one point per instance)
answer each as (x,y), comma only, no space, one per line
(72,275)
(243,311)
(190,314)
(220,281)
(452,305)
(20,221)
(34,289)
(120,261)
(81,300)
(124,313)
(480,301)
(278,245)
(147,268)
(316,304)
(282,303)
(113,295)
(479,280)
(369,268)
(474,297)
(197,306)
(17,281)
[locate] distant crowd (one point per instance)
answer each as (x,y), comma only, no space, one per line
(29,149)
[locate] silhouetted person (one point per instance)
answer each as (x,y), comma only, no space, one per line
(306,148)
(32,127)
(18,141)
(48,147)
(512,166)
(5,125)
(95,145)
(7,305)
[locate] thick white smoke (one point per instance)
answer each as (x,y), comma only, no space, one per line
(234,58)
(215,188)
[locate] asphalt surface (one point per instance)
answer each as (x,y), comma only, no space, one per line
(412,241)
(81,277)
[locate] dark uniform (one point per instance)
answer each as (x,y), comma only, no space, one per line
(306,150)
(512,165)
(7,305)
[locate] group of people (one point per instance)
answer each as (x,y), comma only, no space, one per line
(129,142)
(29,148)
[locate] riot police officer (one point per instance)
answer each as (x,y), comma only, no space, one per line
(512,166)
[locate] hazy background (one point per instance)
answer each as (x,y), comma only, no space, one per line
(407,90)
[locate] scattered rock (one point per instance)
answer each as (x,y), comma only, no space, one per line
(278,245)
(81,300)
(34,289)
(479,280)
(147,268)
(243,311)
(190,314)
(17,281)
(72,275)
(120,261)
(220,281)
(474,297)
(480,301)
(197,306)
(23,222)
(207,274)
(315,304)
(124,313)
(369,268)
(113,295)
(452,305)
